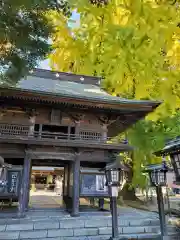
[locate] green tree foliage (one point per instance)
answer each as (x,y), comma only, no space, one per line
(24,34)
(149,136)
(134,45)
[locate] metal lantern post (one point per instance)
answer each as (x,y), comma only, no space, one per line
(113,178)
(157,174)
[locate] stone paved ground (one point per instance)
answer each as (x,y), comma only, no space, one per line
(173,203)
(47,200)
(42,199)
(44,204)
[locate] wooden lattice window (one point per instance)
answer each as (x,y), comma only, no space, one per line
(85,135)
(56,116)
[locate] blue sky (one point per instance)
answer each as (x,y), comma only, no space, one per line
(75,17)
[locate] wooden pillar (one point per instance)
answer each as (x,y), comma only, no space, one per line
(65,178)
(104,132)
(101,204)
(23,198)
(68,197)
(76,180)
(77,129)
(68,179)
(28,183)
(40,130)
(64,182)
(103,138)
(32,120)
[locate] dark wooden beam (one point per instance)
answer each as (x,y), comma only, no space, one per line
(79,144)
(29,171)
(24,185)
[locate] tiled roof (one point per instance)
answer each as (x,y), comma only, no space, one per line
(175,143)
(171,146)
(72,89)
(64,88)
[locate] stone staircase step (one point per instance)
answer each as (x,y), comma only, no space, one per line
(97,237)
(73,223)
(28,231)
(105,237)
(94,221)
(95,227)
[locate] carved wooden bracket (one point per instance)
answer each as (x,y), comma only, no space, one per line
(107,119)
(77,154)
(31,112)
(28,153)
(76,117)
(77,151)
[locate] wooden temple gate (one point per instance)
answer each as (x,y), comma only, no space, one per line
(61,121)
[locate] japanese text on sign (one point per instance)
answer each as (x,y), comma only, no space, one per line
(13,186)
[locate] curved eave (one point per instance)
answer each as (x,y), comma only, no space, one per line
(168,151)
(44,98)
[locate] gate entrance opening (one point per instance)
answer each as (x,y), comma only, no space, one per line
(46,187)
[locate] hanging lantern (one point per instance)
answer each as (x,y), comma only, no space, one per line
(112,176)
(157,174)
(115,173)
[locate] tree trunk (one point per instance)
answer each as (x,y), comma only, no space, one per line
(128,192)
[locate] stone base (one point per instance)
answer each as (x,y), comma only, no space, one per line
(75,214)
(111,238)
(21,215)
(166,238)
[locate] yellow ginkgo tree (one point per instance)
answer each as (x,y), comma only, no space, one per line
(134,46)
(130,43)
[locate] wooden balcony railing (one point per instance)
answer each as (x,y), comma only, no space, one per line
(12,131)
